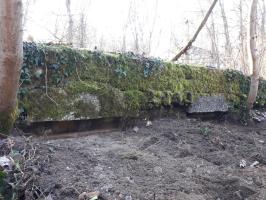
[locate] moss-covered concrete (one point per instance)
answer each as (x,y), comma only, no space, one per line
(123,84)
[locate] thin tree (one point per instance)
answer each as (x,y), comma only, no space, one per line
(134,22)
(10,60)
(82,30)
(26,7)
(189,44)
(243,46)
(215,55)
(228,45)
(188,38)
(215,44)
(151,31)
(263,17)
(254,84)
(70,23)
(263,37)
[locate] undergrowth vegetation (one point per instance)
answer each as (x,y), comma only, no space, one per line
(18,169)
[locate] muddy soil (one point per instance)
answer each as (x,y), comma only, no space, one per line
(174,159)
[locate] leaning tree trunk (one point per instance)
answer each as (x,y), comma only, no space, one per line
(254,84)
(189,44)
(10,60)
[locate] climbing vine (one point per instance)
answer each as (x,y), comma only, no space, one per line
(36,57)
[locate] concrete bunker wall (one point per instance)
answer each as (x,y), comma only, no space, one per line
(60,83)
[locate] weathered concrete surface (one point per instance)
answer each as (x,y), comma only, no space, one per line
(209,104)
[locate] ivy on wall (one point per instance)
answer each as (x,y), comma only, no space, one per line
(63,61)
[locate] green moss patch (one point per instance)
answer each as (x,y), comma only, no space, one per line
(7,120)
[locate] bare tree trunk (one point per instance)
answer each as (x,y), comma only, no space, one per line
(70,23)
(135,28)
(254,84)
(152,28)
(26,8)
(102,44)
(189,44)
(10,59)
(188,38)
(136,41)
(263,39)
(241,34)
(263,17)
(82,31)
(228,46)
(243,45)
(125,29)
(215,55)
(215,48)
(124,44)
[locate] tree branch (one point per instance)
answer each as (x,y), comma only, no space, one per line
(189,44)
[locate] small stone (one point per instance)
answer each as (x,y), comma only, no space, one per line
(158,170)
(136,129)
(189,170)
(101,176)
(130,179)
(107,188)
(34,169)
(98,168)
(83,196)
(243,163)
(128,197)
(89,195)
(6,163)
(254,164)
(149,123)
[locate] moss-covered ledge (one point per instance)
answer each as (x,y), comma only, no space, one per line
(60,83)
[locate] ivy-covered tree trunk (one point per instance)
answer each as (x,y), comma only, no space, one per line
(10,60)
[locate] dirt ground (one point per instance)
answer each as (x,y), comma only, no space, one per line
(174,159)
